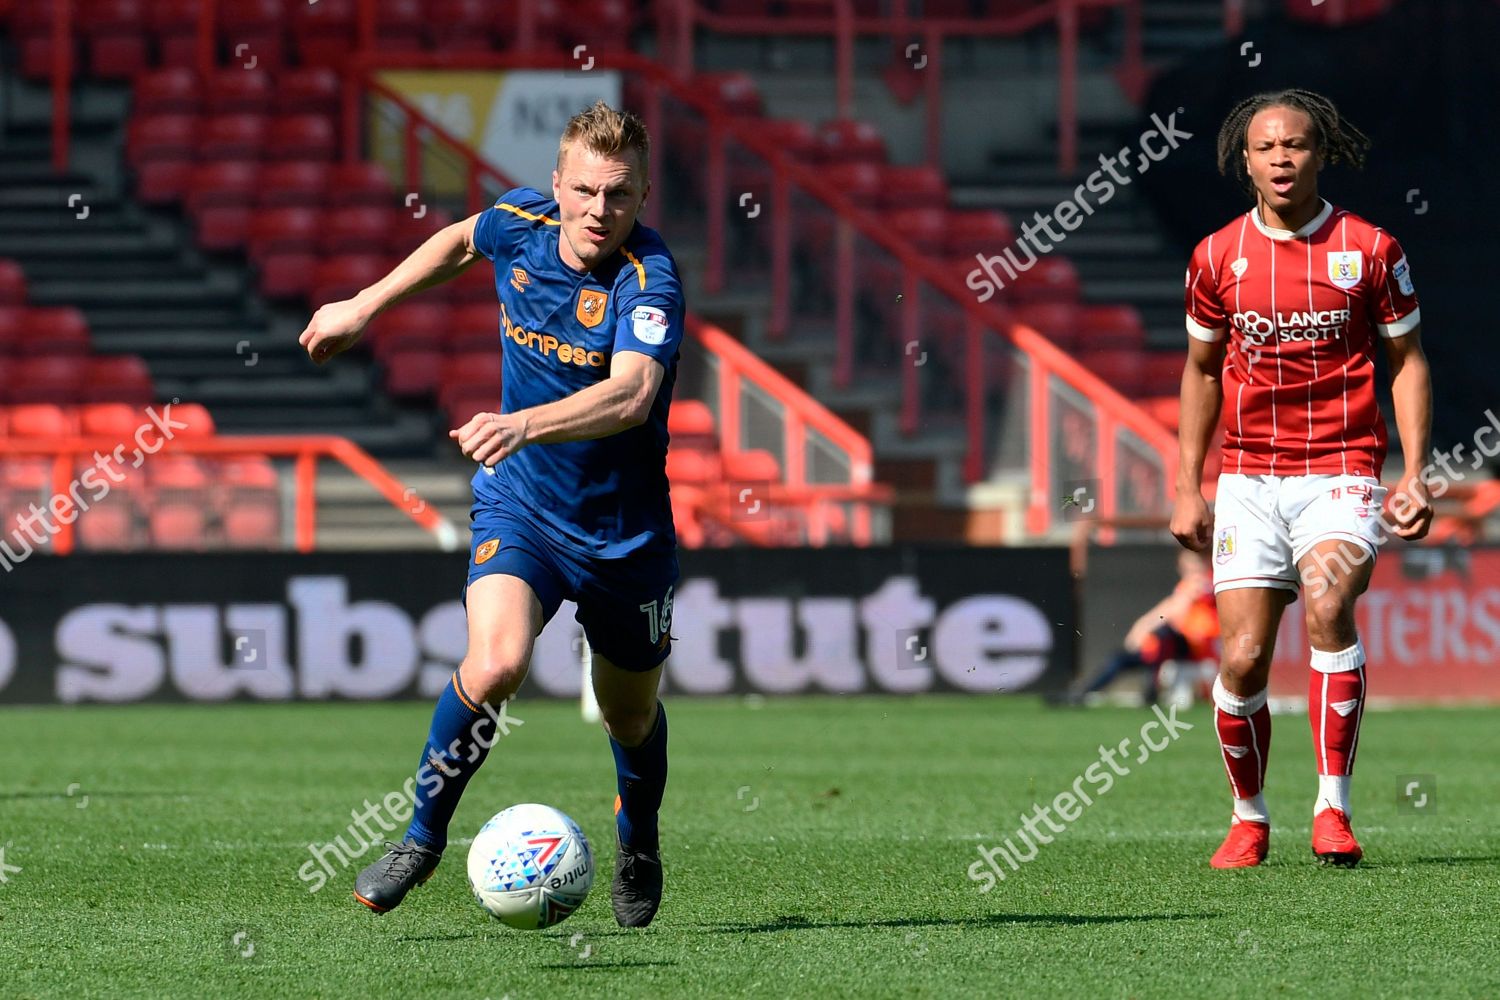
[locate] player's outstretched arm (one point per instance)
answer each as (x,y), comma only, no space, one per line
(337,326)
(1411,393)
(1202,397)
(607,407)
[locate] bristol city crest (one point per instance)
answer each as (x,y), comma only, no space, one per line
(1344,268)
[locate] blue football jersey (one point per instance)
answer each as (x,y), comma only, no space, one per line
(558,331)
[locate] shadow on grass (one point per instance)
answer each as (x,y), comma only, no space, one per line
(1459,859)
(583,965)
(799,923)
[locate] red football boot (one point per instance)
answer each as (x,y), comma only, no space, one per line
(1245,847)
(1332,840)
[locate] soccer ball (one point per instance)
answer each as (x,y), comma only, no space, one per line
(530,866)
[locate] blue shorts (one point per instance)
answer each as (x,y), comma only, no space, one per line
(624,605)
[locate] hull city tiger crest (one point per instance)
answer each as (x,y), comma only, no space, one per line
(590,311)
(1344,268)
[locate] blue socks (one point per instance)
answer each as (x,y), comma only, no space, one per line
(459,740)
(641,777)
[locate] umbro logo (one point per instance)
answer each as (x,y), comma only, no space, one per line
(1236,752)
(1345,707)
(519,279)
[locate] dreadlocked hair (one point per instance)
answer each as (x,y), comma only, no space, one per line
(1333,136)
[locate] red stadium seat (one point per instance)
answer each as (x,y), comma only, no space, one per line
(691,421)
(755,465)
(475,286)
(13,329)
(174,23)
(121,378)
(1122,369)
(112,420)
(232,137)
(1058,321)
(114,37)
(283,231)
(1162,373)
(286,275)
(12,284)
(412,374)
(847,141)
(309,90)
(178,525)
(166,92)
(692,466)
(477,317)
(238,91)
(323,32)
(1050,279)
(45,380)
(160,137)
(602,25)
(175,472)
(200,423)
(257,25)
(294,184)
(1119,327)
(345,276)
(914,187)
(735,92)
(409,326)
(301,137)
(460,402)
(42,420)
(474,368)
(981,232)
(402,340)
(248,473)
(356,231)
(233,183)
(59,331)
(110,524)
(461,25)
(360,185)
(252,523)
(399,25)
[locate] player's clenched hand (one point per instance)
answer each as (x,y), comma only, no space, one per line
(1192,524)
(1411,510)
(334,328)
(491,437)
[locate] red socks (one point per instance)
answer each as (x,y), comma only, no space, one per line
(1244,728)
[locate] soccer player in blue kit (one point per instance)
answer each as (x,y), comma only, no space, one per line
(570,498)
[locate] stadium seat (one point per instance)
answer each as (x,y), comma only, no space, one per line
(238,91)
(356,231)
(602,25)
(1050,279)
(692,466)
(412,374)
(476,286)
(44,380)
(121,378)
(1057,321)
(300,137)
(735,92)
(691,423)
(258,26)
(200,423)
(1121,368)
(473,368)
(111,420)
(167,92)
(160,137)
(232,137)
(178,525)
(247,473)
(848,141)
(982,232)
(113,35)
(13,327)
(1162,373)
(174,23)
(755,465)
(476,317)
(12,284)
(323,33)
(344,276)
(253,523)
(232,182)
(389,341)
(914,187)
(283,231)
(459,403)
(310,90)
(110,524)
(42,420)
(399,25)
(59,331)
(1119,327)
(410,326)
(461,25)
(294,184)
(352,185)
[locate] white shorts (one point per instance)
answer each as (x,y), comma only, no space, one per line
(1264,524)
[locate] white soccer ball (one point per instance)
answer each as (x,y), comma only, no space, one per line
(530,866)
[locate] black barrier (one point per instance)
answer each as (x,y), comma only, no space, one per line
(279,627)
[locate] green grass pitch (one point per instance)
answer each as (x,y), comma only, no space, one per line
(814,848)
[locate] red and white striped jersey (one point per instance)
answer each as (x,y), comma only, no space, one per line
(1299,370)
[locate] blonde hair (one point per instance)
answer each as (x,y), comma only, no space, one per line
(603,130)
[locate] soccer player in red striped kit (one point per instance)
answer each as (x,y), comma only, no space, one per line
(1285,306)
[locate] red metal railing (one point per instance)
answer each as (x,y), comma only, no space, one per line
(66,453)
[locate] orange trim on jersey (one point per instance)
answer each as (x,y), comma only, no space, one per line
(458,689)
(640,269)
(529,216)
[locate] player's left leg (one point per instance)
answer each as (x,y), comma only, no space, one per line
(1336,532)
(626,612)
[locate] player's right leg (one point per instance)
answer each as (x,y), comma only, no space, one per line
(513,590)
(1254,580)
(1249,618)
